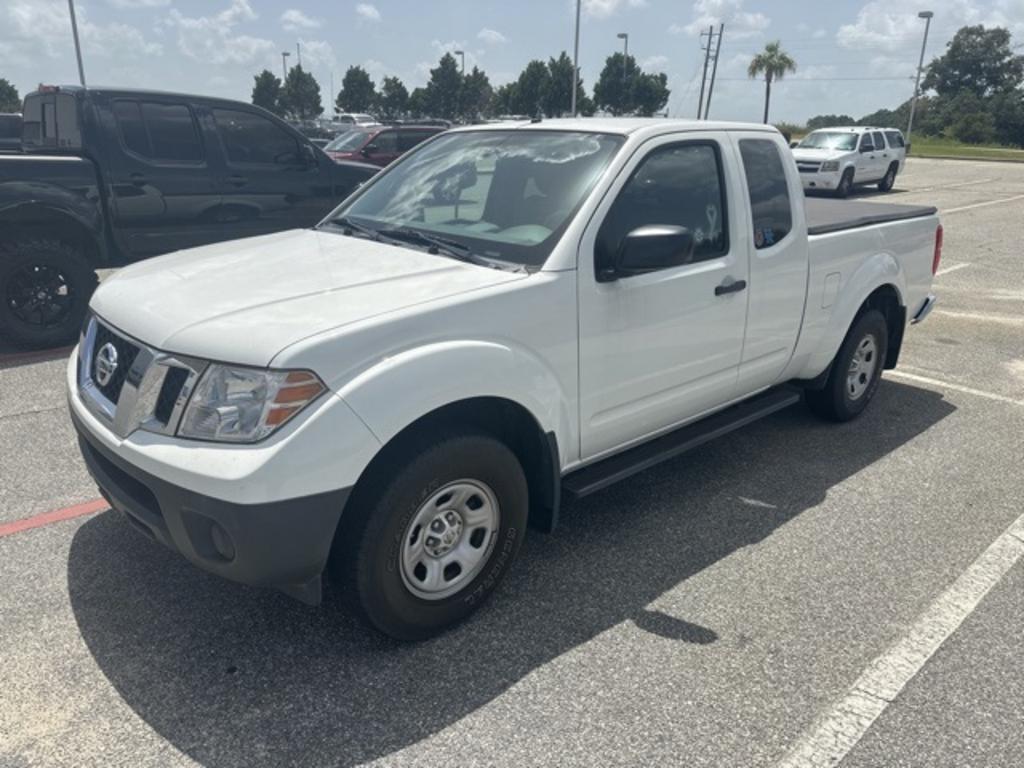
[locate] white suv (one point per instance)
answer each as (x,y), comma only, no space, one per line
(836,159)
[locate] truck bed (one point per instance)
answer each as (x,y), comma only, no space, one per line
(825,215)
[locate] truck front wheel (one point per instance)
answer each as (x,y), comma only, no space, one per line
(432,543)
(845,186)
(45,286)
(856,370)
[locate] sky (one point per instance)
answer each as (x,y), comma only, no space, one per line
(853,56)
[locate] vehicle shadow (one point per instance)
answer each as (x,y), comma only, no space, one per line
(240,677)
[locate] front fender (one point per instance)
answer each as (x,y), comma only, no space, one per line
(878,270)
(400,389)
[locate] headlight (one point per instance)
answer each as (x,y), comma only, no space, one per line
(242,405)
(830,166)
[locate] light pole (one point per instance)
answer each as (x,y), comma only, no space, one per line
(284,66)
(624,36)
(462,55)
(576,58)
(927,16)
(298,51)
(78,48)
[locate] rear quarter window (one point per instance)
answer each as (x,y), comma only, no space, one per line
(895,139)
(770,204)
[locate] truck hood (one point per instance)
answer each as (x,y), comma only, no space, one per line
(820,155)
(246,300)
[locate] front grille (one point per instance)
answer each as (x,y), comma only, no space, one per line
(809,167)
(173,382)
(126,354)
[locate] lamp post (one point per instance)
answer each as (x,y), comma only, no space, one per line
(624,37)
(462,55)
(576,58)
(284,65)
(78,48)
(927,16)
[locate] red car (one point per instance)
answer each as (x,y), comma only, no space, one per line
(379,144)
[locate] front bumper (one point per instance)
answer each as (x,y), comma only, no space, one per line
(821,180)
(281,544)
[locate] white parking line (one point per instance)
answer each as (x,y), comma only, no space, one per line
(955,387)
(952,268)
(838,730)
(953,186)
(983,317)
(982,205)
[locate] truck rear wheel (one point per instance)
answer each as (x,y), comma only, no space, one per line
(856,370)
(430,546)
(45,286)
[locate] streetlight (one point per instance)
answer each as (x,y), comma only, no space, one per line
(462,55)
(284,65)
(78,48)
(576,58)
(624,36)
(927,16)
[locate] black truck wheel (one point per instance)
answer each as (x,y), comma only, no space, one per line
(845,186)
(45,286)
(889,180)
(429,545)
(856,370)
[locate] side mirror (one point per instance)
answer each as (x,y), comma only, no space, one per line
(309,154)
(368,150)
(653,247)
(794,144)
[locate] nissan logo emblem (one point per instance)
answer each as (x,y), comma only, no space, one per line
(106,364)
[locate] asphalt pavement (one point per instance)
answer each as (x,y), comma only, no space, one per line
(713,611)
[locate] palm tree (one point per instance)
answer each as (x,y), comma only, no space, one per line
(774,63)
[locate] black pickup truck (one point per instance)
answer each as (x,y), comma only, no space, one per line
(108,177)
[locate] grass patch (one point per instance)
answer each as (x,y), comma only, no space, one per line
(930,146)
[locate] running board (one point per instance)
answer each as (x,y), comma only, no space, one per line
(600,475)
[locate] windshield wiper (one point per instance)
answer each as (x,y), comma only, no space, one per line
(351,227)
(437,244)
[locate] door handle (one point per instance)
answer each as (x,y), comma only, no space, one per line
(138,180)
(237,181)
(734,287)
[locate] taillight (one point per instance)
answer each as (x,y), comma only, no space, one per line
(938,250)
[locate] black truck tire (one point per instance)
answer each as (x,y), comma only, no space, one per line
(845,186)
(418,515)
(889,180)
(45,286)
(856,370)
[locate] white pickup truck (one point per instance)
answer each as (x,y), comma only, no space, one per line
(839,159)
(508,315)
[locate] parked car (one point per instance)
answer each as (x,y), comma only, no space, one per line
(501,317)
(113,176)
(838,159)
(10,133)
(355,118)
(379,145)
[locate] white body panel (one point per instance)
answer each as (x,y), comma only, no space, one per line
(396,333)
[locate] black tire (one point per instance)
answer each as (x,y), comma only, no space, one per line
(368,546)
(845,186)
(835,401)
(45,286)
(889,180)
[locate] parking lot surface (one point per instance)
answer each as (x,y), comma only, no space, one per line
(716,610)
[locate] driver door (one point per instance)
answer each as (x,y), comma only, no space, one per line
(661,348)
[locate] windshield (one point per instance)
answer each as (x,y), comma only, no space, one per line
(504,195)
(349,141)
(830,140)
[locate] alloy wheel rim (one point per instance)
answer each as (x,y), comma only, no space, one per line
(449,540)
(39,295)
(862,367)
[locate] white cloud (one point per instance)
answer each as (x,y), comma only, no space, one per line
(739,24)
(139,3)
(377,69)
(893,25)
(213,38)
(492,36)
(294,20)
(657,63)
(317,55)
(602,9)
(368,12)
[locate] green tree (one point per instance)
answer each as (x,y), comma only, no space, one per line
(978,60)
(558,96)
(1008,116)
(394,98)
(358,93)
(300,96)
(503,99)
(650,93)
(10,101)
(476,95)
(774,63)
(418,105)
(530,89)
(444,89)
(613,91)
(831,121)
(266,92)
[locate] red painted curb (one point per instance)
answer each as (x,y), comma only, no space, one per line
(56,516)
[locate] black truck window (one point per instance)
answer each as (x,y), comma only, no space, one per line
(770,206)
(162,133)
(252,139)
(133,131)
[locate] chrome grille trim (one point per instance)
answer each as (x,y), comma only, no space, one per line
(135,407)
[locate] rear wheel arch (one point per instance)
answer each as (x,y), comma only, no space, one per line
(887,300)
(42,222)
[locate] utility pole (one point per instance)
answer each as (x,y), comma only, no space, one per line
(284,66)
(298,51)
(78,47)
(714,70)
(927,16)
(576,58)
(707,58)
(624,36)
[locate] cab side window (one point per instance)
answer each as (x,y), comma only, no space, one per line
(879,141)
(866,144)
(384,143)
(251,139)
(679,184)
(159,132)
(770,206)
